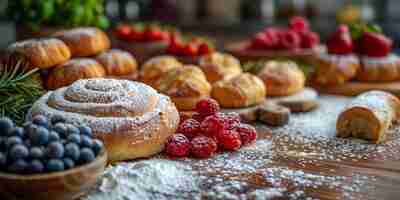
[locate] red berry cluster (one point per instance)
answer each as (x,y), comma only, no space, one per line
(369,44)
(195,47)
(209,130)
(146,34)
(297,36)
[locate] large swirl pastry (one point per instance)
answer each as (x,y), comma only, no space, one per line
(239,91)
(218,66)
(186,86)
(131,118)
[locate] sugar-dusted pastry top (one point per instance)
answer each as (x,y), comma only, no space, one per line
(379,69)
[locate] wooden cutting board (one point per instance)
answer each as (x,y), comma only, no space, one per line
(355,88)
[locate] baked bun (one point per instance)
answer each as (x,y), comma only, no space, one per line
(218,66)
(131,118)
(239,91)
(334,69)
(185,85)
(41,53)
(153,69)
(282,78)
(118,63)
(74,69)
(379,69)
(84,41)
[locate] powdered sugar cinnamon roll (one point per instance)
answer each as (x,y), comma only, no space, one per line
(131,118)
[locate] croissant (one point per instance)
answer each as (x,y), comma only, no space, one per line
(185,85)
(368,116)
(239,91)
(379,69)
(153,69)
(218,66)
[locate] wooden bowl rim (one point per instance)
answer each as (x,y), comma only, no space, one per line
(101,158)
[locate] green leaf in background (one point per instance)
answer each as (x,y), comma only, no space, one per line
(357,29)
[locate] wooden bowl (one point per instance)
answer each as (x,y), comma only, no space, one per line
(65,185)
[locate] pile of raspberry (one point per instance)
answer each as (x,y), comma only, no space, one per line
(207,131)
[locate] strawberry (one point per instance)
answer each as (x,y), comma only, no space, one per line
(136,35)
(271,37)
(309,40)
(153,34)
(190,50)
(123,31)
(258,41)
(299,24)
(204,49)
(175,47)
(290,40)
(340,42)
(375,44)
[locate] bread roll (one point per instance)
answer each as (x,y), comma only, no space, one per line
(118,64)
(379,69)
(368,116)
(153,69)
(218,66)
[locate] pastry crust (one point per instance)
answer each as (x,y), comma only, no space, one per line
(41,53)
(86,41)
(239,91)
(282,78)
(74,69)
(379,69)
(334,69)
(153,69)
(117,63)
(131,118)
(219,66)
(186,86)
(369,116)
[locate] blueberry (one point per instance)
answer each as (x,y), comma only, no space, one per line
(18,151)
(39,136)
(72,151)
(55,165)
(2,143)
(5,125)
(85,130)
(17,131)
(97,146)
(11,141)
(53,136)
(41,120)
(55,150)
(3,159)
(61,129)
(57,119)
(74,138)
(86,141)
(71,129)
(86,156)
(35,166)
(68,163)
(36,153)
(18,166)
(27,143)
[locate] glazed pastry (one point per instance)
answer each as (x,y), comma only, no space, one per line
(84,41)
(185,85)
(379,69)
(131,118)
(153,69)
(239,91)
(368,116)
(75,69)
(218,66)
(118,63)
(282,78)
(41,53)
(332,69)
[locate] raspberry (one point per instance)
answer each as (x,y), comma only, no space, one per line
(190,128)
(184,116)
(309,40)
(212,125)
(258,41)
(271,38)
(207,107)
(290,40)
(196,116)
(177,145)
(248,133)
(203,147)
(299,24)
(230,120)
(229,140)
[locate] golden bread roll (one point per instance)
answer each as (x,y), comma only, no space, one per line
(239,91)
(282,78)
(74,69)
(41,53)
(334,69)
(87,41)
(153,69)
(217,66)
(118,63)
(186,86)
(368,116)
(379,69)
(131,118)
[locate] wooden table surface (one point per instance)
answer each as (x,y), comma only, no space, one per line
(302,160)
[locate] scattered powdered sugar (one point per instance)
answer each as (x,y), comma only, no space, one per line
(352,58)
(267,194)
(372,61)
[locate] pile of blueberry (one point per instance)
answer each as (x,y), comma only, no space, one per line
(45,145)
